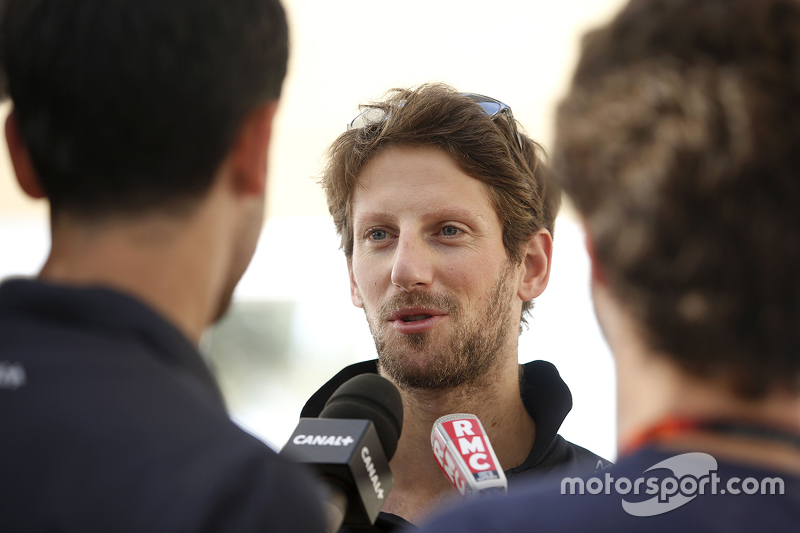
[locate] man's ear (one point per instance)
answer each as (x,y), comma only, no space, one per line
(21,160)
(355,296)
(536,265)
(250,152)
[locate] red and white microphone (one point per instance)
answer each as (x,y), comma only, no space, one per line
(463,451)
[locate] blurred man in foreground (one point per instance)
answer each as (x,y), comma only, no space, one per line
(679,143)
(446,218)
(146,124)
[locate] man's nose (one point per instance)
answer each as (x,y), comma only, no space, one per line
(413,268)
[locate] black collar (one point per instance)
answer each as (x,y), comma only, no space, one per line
(545,395)
(109,313)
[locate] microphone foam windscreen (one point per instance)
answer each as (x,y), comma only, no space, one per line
(370,397)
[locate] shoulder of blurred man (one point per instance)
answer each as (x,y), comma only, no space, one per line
(106,402)
(547,400)
(602,503)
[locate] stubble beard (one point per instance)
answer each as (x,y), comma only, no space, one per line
(474,350)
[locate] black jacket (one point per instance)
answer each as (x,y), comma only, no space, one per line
(547,400)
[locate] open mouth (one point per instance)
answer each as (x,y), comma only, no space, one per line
(412,320)
(415,318)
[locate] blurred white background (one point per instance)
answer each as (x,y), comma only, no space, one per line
(295,297)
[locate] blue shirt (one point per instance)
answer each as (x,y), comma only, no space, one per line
(111,421)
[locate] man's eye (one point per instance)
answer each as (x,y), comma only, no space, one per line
(377,234)
(450,231)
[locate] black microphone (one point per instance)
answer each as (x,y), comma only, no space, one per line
(350,445)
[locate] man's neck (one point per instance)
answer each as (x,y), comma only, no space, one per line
(172,264)
(669,394)
(420,486)
(652,388)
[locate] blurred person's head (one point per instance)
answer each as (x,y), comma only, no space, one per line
(679,144)
(488,146)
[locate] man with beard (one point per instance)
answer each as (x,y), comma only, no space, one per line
(146,123)
(446,219)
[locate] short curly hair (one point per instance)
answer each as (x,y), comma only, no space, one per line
(679,143)
(517,178)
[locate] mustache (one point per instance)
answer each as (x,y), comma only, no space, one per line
(418,299)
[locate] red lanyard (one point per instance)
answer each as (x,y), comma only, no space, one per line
(673,427)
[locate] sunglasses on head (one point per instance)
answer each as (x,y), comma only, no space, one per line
(490,106)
